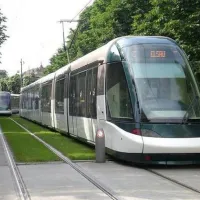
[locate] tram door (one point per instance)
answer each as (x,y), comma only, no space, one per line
(91,88)
(72,107)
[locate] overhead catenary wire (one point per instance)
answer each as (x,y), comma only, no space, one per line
(81,10)
(75,33)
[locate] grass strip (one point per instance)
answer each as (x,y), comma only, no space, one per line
(24,147)
(70,147)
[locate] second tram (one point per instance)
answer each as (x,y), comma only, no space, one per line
(5,103)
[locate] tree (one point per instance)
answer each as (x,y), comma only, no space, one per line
(177,19)
(3,74)
(108,19)
(29,79)
(4,84)
(14,84)
(57,61)
(3,36)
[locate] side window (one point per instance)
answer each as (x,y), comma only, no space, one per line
(59,96)
(81,94)
(46,97)
(94,92)
(117,94)
(37,98)
(26,102)
(91,92)
(32,98)
(29,99)
(71,95)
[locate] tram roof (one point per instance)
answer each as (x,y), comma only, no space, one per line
(131,40)
(101,54)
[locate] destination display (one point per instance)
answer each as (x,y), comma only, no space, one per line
(157,54)
(153,54)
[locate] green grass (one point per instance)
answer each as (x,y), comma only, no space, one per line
(70,147)
(25,148)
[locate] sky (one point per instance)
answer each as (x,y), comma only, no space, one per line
(34,31)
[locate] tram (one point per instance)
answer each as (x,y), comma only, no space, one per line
(5,103)
(139,90)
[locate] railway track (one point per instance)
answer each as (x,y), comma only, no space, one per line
(108,191)
(179,183)
(104,188)
(23,193)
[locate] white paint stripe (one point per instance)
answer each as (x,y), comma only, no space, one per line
(11,164)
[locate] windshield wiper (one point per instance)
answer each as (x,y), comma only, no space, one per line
(193,103)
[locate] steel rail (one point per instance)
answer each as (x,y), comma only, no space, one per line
(173,180)
(109,192)
(23,193)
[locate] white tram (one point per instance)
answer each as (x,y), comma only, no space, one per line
(5,103)
(139,90)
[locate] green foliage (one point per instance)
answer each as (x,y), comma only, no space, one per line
(28,79)
(57,61)
(3,36)
(11,84)
(177,19)
(4,84)
(14,84)
(3,74)
(108,19)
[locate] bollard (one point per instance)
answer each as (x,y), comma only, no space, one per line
(100,146)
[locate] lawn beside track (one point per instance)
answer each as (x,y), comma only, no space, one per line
(24,147)
(70,147)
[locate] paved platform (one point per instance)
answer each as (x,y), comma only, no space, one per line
(8,190)
(134,183)
(59,181)
(188,175)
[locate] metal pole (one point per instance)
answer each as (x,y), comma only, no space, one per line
(100,146)
(64,46)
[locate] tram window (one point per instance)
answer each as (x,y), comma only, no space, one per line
(81,100)
(32,99)
(37,98)
(26,100)
(59,96)
(46,98)
(29,100)
(71,96)
(118,99)
(94,91)
(89,92)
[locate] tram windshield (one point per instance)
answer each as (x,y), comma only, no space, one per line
(4,101)
(163,81)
